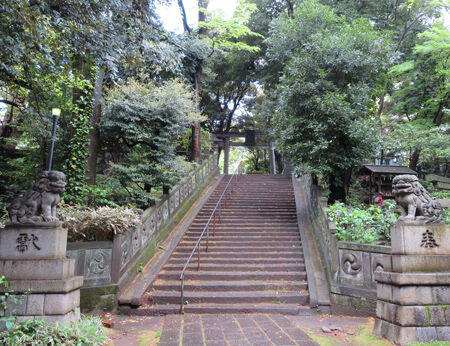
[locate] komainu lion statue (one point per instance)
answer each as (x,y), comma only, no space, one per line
(38,204)
(414,200)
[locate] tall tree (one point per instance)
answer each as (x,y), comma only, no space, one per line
(198,72)
(144,120)
(421,100)
(332,70)
(223,54)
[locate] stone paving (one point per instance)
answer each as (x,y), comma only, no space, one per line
(230,329)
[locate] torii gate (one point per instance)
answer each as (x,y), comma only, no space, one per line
(222,139)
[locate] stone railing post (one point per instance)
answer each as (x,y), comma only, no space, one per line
(41,280)
(413,299)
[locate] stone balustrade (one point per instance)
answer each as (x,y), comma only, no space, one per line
(108,265)
(350,266)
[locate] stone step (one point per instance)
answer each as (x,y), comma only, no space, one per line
(255,297)
(158,310)
(249,230)
(277,286)
(233,276)
(242,255)
(236,235)
(243,219)
(241,243)
(181,249)
(254,261)
(205,267)
(221,237)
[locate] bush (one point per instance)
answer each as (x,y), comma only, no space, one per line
(446,216)
(434,192)
(363,225)
(97,223)
(86,331)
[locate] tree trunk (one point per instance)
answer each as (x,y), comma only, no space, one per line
(196,150)
(94,133)
(79,67)
(347,179)
(414,159)
(337,190)
(196,130)
(7,130)
(279,161)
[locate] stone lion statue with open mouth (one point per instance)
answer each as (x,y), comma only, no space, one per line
(38,204)
(414,200)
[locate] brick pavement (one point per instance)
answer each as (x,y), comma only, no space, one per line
(207,329)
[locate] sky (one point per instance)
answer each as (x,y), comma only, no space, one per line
(171,17)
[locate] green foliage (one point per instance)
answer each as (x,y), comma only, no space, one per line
(77,190)
(424,88)
(184,146)
(363,224)
(142,122)
(50,51)
(86,331)
(257,161)
(403,19)
(409,136)
(96,224)
(332,70)
(419,118)
(229,35)
(434,192)
(354,194)
(8,296)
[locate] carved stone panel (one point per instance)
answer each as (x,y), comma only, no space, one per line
(181,194)
(159,217)
(186,191)
(144,234)
(165,210)
(177,198)
(171,204)
(97,266)
(151,225)
(351,265)
(79,256)
(136,242)
(197,177)
(125,250)
(379,262)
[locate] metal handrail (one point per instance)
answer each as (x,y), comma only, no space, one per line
(217,209)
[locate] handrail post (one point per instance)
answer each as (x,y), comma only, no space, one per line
(198,258)
(182,295)
(207,237)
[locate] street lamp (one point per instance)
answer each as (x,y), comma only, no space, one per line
(56,113)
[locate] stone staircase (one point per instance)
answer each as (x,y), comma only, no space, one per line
(254,262)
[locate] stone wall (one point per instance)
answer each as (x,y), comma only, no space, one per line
(349,266)
(106,266)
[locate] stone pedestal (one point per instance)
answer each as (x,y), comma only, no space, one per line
(413,301)
(41,281)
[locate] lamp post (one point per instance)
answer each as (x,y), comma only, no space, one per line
(56,113)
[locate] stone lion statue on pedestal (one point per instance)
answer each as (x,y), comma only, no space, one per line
(38,204)
(414,200)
